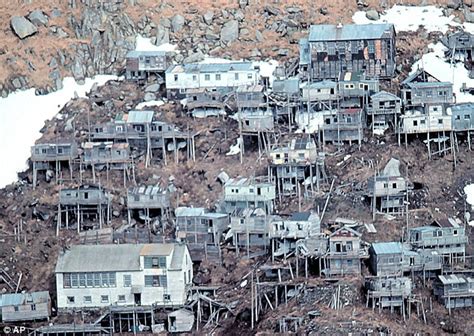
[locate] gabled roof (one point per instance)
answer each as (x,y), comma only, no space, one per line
(300,216)
(211,67)
(387,248)
(140,117)
(189,212)
(18,299)
(326,32)
(108,257)
(345,231)
(384,95)
(420,76)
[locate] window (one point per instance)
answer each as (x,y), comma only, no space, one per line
(70,299)
(455,232)
(175,78)
(236,76)
(277,156)
(86,195)
(207,77)
(121,298)
(415,122)
(156,281)
(218,77)
(74,280)
(127,280)
(66,280)
(371,47)
(349,262)
(467,117)
(194,78)
(394,185)
(87,299)
(33,307)
(60,150)
(249,76)
(429,94)
(16,308)
(104,279)
(458,117)
(82,280)
(104,298)
(440,121)
(155,262)
(166,297)
(422,121)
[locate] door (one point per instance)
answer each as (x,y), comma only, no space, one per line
(137,298)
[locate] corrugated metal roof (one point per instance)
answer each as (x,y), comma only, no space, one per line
(140,116)
(138,53)
(177,258)
(211,67)
(108,257)
(461,108)
(300,216)
(189,212)
(324,84)
(384,95)
(250,88)
(387,248)
(348,32)
(18,299)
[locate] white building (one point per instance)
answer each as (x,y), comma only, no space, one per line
(220,76)
(94,276)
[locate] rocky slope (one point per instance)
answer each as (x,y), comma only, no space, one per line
(47,40)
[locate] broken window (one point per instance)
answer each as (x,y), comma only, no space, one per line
(70,299)
(394,185)
(415,122)
(166,297)
(175,78)
(467,116)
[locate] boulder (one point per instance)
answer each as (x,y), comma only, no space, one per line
(208,17)
(38,18)
(468,15)
(230,31)
(454,4)
(177,23)
(372,14)
(149,97)
(16,82)
(271,10)
(22,27)
(152,88)
(258,36)
(162,35)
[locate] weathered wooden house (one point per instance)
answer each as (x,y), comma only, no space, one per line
(294,163)
(180,321)
(397,259)
(250,229)
(141,130)
(345,124)
(148,202)
(25,307)
(202,231)
(331,50)
(423,91)
(462,117)
(388,292)
(286,232)
(444,236)
(388,190)
(123,275)
(204,102)
(142,64)
(384,108)
(460,44)
(44,155)
(322,94)
(224,77)
(249,192)
(285,97)
(344,253)
(455,290)
(357,85)
(83,208)
(108,155)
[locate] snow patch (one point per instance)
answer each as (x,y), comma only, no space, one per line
(234,149)
(410,18)
(469,191)
(149,104)
(22,115)
(309,123)
(434,62)
(144,44)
